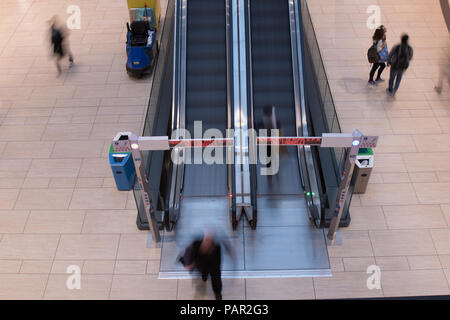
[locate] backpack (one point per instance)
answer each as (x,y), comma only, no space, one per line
(372,54)
(402,58)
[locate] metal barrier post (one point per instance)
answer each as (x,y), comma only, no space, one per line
(344,185)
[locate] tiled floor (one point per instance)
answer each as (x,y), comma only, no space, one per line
(59,206)
(401,223)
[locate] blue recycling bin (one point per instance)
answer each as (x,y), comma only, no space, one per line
(123,170)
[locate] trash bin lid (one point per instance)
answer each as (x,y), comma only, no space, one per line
(364,161)
(118,157)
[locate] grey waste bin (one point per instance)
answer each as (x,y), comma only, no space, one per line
(363,169)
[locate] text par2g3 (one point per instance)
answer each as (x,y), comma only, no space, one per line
(227,309)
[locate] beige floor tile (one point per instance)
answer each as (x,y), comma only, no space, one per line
(76,103)
(422,177)
(67,132)
(14,92)
(424,262)
(63,183)
(11,183)
(394,143)
(109,130)
(41,199)
(50,222)
(443,176)
(74,111)
(8,198)
(371,126)
(54,168)
(36,183)
(415,125)
(402,242)
(22,286)
(85,78)
(344,285)
(387,162)
(97,91)
(134,247)
(10,266)
(153,267)
(122,111)
(358,264)
(416,282)
(2,144)
(95,168)
(367,218)
(354,244)
(89,182)
(131,267)
(36,266)
(14,168)
(446,211)
(99,267)
(392,263)
(441,239)
(93,247)
(138,287)
(432,143)
(420,162)
(389,194)
(445,260)
(21,133)
(414,217)
(447,275)
(12,221)
(92,287)
(62,92)
(336,264)
(395,177)
(196,289)
(28,150)
(110,223)
(119,102)
(77,148)
(18,246)
(433,193)
(106,198)
(62,266)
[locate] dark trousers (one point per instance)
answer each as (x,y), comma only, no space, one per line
(380,66)
(396,74)
(216,278)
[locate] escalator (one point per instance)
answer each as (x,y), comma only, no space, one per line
(282,209)
(284,243)
(204,200)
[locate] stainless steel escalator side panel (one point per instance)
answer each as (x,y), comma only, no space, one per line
(179,103)
(306,163)
(242,169)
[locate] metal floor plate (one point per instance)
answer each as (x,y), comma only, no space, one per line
(283,245)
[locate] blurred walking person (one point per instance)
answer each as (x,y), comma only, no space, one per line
(59,42)
(205,255)
(399,60)
(444,75)
(380,57)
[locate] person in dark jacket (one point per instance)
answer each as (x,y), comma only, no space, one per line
(58,39)
(399,59)
(205,255)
